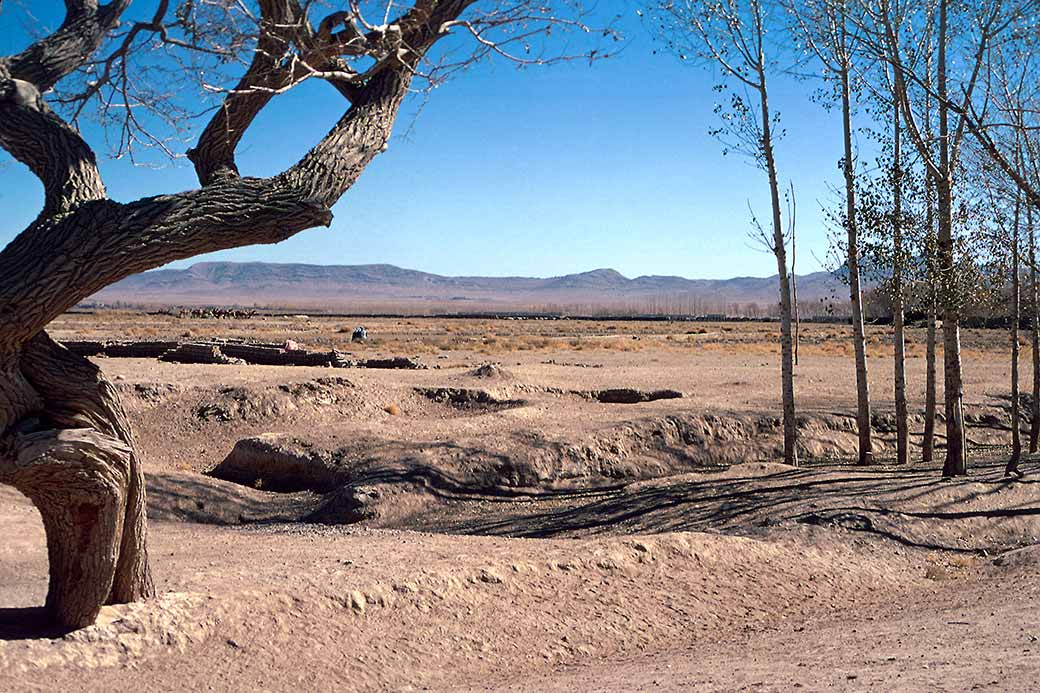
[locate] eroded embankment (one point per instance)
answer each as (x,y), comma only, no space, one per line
(390,481)
(339,450)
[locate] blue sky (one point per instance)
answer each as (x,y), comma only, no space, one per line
(541,171)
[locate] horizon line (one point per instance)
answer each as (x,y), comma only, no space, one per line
(473,276)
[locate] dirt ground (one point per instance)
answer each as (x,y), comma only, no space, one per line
(467,528)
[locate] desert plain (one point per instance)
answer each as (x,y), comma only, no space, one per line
(537,509)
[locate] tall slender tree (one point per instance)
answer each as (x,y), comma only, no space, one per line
(931,403)
(1005,130)
(1015,314)
(899,32)
(1034,330)
(825,27)
(732,35)
(898,291)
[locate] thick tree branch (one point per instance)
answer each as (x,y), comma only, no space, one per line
(335,164)
(290,51)
(214,155)
(102,242)
(60,260)
(51,149)
(51,58)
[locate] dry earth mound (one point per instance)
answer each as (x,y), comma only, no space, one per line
(492,371)
(253,404)
(469,398)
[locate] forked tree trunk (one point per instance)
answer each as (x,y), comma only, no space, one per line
(898,338)
(859,339)
(1016,436)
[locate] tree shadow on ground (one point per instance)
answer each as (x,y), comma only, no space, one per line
(477,490)
(909,506)
(29,623)
(477,476)
(188,497)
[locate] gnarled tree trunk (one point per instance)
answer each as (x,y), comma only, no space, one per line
(65,441)
(71,453)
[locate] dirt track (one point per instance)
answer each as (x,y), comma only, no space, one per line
(594,576)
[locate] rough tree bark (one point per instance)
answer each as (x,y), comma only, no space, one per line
(898,337)
(1034,323)
(65,441)
(1016,434)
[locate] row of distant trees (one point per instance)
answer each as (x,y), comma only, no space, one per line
(946,93)
(989,310)
(682,307)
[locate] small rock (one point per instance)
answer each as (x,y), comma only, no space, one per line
(358,601)
(489,577)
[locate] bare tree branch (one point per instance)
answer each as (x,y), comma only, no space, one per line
(85,27)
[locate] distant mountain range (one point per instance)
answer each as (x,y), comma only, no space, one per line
(344,287)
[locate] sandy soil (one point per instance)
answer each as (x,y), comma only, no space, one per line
(607,561)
